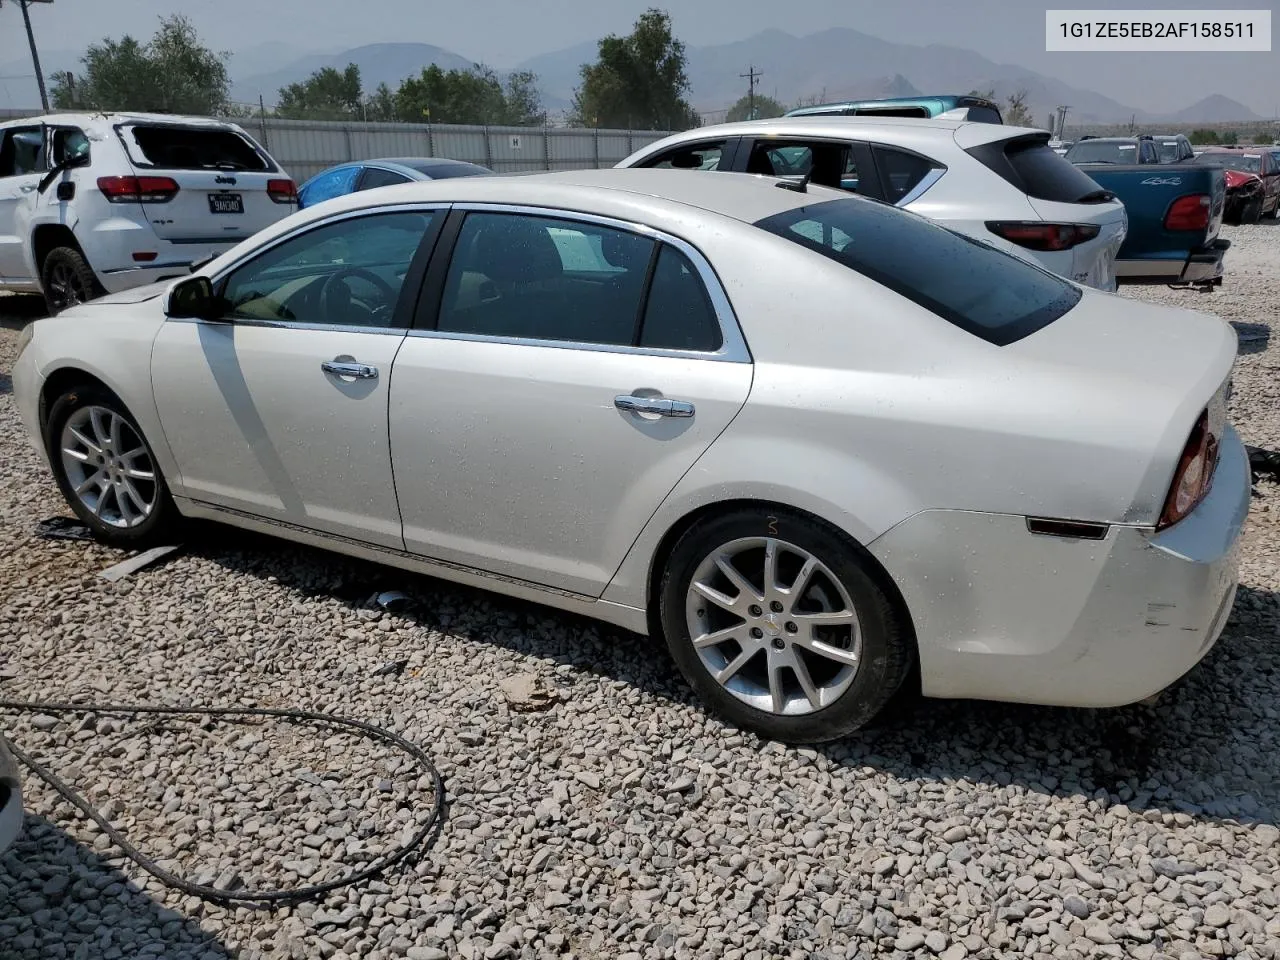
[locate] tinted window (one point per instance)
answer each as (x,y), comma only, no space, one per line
(326,186)
(22,152)
(176,147)
(69,143)
(828,164)
(445,171)
(375,177)
(347,273)
(679,315)
(1030,165)
(541,278)
(900,171)
(891,112)
(697,156)
(984,115)
(1104,151)
(985,291)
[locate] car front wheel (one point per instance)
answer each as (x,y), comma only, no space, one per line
(780,624)
(67,279)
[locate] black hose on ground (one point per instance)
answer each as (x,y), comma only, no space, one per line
(213,894)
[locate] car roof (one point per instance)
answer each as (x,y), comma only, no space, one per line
(97,118)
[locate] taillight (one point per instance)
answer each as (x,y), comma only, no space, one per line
(138,189)
(282,191)
(1035,235)
(1188,213)
(1194,476)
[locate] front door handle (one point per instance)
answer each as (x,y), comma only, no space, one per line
(348,367)
(655,405)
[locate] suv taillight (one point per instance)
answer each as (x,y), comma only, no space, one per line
(1035,235)
(1194,475)
(282,191)
(138,189)
(1188,213)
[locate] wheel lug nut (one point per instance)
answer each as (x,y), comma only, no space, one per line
(791,627)
(779,643)
(754,610)
(757,633)
(776,607)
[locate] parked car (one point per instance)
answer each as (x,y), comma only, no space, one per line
(1252,176)
(1114,150)
(899,433)
(1173,148)
(1175,213)
(10,798)
(977,109)
(94,203)
(1001,185)
(367,174)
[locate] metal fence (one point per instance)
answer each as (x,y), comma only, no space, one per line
(305,147)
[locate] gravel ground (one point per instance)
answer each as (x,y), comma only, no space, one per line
(617,820)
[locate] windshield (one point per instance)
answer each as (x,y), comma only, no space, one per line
(1168,150)
(1104,151)
(991,294)
(1244,162)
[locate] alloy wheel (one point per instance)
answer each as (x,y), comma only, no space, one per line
(64,286)
(108,467)
(773,626)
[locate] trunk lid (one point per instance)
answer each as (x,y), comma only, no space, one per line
(221,175)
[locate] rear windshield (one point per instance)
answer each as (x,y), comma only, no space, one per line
(991,294)
(1104,151)
(1034,168)
(1243,162)
(175,147)
(1170,150)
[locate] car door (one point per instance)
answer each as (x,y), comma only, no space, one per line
(22,165)
(564,374)
(844,164)
(279,408)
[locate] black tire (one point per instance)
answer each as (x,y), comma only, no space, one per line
(162,524)
(67,279)
(888,647)
(1252,213)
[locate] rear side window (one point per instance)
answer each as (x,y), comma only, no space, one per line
(334,183)
(21,151)
(678,314)
(825,163)
(901,171)
(175,147)
(1030,165)
(377,177)
(991,294)
(696,156)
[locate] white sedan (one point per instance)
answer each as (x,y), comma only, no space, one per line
(810,439)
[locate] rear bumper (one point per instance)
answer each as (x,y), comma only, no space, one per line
(10,798)
(1002,614)
(1202,265)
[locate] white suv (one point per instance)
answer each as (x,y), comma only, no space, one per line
(98,203)
(1001,185)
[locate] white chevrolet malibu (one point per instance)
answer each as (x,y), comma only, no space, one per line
(810,439)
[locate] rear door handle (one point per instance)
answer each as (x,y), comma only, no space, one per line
(655,405)
(346,367)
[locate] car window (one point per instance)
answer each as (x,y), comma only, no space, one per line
(346,274)
(173,146)
(333,183)
(1275,163)
(900,171)
(678,313)
(691,156)
(991,294)
(22,151)
(543,278)
(377,177)
(1031,165)
(985,115)
(69,143)
(827,164)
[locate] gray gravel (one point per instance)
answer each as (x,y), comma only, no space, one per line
(595,811)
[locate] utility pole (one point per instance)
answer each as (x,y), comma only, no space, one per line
(751,76)
(35,55)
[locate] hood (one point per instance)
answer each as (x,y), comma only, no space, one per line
(134,295)
(1238,178)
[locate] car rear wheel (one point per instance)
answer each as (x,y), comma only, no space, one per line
(67,279)
(781,626)
(1252,212)
(106,470)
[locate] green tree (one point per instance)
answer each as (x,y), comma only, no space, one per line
(765,107)
(638,81)
(173,72)
(327,94)
(470,96)
(381,106)
(1230,138)
(1203,136)
(1014,110)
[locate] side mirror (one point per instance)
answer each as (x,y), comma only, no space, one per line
(192,299)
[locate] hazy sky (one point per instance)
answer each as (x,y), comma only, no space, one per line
(504,32)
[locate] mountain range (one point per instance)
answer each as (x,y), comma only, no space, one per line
(833,64)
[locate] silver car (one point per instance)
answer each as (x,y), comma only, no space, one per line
(810,439)
(10,797)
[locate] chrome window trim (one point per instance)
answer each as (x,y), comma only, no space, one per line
(927,181)
(733,348)
(292,325)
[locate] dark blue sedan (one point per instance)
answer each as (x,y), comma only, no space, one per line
(367,174)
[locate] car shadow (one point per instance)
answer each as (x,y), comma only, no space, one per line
(59,898)
(19,309)
(1253,337)
(1191,751)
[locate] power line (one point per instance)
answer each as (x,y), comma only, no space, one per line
(751,76)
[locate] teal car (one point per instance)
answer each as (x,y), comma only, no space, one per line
(978,109)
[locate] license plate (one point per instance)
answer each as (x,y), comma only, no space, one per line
(226,203)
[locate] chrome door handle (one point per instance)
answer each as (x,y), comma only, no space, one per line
(349,368)
(657,405)
(27,187)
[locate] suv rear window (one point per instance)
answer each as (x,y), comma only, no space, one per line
(175,147)
(1030,165)
(991,294)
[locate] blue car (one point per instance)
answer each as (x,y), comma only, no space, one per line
(367,174)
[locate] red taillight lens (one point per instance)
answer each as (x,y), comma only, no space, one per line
(1044,236)
(1188,213)
(138,189)
(1194,476)
(282,191)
